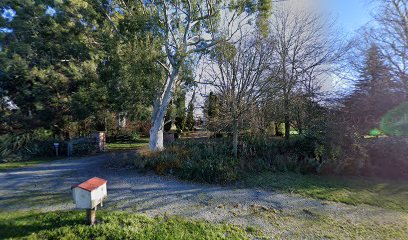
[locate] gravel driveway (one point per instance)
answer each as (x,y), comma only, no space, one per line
(46,187)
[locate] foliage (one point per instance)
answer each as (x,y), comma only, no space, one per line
(345,149)
(374,92)
(212,106)
(299,154)
(192,161)
(44,60)
(19,147)
(85,147)
(128,146)
(111,225)
(180,120)
(65,71)
(387,157)
(211,161)
(190,116)
(135,136)
(168,119)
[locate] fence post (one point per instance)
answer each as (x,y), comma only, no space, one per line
(69,148)
(101,140)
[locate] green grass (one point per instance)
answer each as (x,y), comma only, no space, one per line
(11,165)
(111,225)
(317,225)
(128,146)
(124,225)
(354,191)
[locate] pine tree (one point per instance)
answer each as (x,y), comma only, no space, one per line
(373,95)
(212,111)
(180,120)
(45,57)
(190,116)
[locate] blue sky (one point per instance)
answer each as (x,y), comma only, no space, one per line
(351,14)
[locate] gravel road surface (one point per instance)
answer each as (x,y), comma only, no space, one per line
(46,187)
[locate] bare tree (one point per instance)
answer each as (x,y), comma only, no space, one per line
(236,72)
(304,50)
(392,37)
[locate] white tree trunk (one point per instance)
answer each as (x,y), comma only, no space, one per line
(159,112)
(156,135)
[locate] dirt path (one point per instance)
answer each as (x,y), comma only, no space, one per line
(47,187)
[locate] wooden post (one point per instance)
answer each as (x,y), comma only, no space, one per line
(90,216)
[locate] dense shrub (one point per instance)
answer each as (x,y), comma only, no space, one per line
(345,152)
(301,154)
(200,162)
(123,138)
(211,160)
(18,147)
(88,146)
(387,157)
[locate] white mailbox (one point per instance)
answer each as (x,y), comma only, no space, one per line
(89,194)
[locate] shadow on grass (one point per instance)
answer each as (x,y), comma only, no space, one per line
(11,165)
(20,224)
(113,225)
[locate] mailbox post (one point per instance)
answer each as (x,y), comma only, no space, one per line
(56,146)
(88,195)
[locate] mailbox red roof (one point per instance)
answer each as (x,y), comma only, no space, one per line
(91,184)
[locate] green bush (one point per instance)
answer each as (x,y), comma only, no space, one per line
(84,148)
(191,161)
(212,161)
(19,147)
(214,169)
(135,136)
(301,154)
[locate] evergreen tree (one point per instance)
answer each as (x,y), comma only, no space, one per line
(213,106)
(169,118)
(212,111)
(180,119)
(373,95)
(44,57)
(190,116)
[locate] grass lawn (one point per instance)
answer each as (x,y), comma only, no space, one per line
(11,165)
(111,225)
(128,146)
(124,225)
(385,194)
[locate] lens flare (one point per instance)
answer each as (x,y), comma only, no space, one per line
(395,122)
